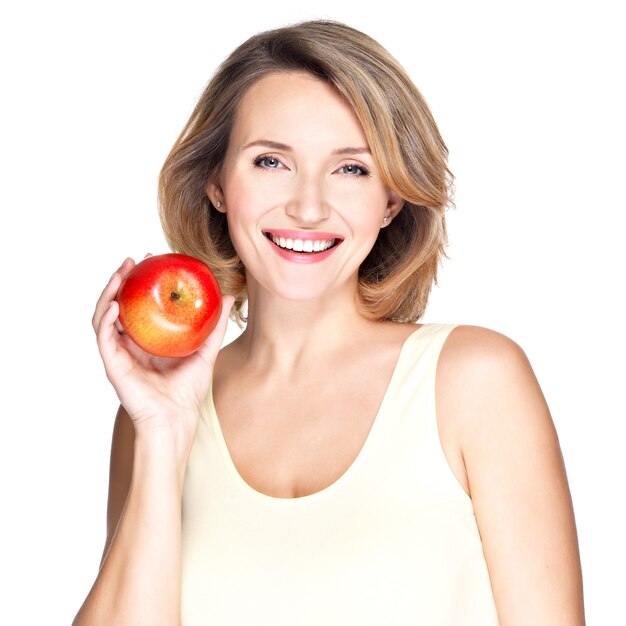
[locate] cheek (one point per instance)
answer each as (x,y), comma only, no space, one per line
(248,199)
(246,202)
(243,202)
(362,205)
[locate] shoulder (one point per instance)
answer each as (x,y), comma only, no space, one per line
(469,347)
(488,399)
(494,413)
(482,368)
(482,365)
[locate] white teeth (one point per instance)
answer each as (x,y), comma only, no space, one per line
(303,245)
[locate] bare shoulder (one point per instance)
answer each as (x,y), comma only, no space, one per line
(475,366)
(469,347)
(492,413)
(488,396)
(482,369)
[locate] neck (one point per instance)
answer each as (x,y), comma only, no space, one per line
(284,334)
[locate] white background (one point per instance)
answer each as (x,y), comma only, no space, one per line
(529,99)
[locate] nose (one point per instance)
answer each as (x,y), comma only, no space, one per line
(308,205)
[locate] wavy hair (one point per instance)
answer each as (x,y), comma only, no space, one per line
(396,278)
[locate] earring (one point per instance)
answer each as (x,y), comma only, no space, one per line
(218,205)
(386,219)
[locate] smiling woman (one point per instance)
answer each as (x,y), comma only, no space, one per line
(397,134)
(311,179)
(336,463)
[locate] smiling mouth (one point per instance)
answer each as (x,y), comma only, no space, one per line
(304,246)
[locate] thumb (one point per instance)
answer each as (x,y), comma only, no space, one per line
(209,349)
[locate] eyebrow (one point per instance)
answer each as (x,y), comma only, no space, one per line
(275,145)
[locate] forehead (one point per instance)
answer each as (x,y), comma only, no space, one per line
(292,107)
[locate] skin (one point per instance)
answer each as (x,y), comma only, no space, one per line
(306,333)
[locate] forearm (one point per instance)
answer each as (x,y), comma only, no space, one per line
(139,581)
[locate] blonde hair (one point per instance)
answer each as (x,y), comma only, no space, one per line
(396,278)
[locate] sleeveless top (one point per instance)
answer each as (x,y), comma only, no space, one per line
(393,541)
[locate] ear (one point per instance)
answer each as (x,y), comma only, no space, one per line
(394,206)
(216,196)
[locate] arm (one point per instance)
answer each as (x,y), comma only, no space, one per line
(516,479)
(140,573)
(139,578)
(120,473)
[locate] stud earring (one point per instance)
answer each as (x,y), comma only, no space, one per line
(218,205)
(386,219)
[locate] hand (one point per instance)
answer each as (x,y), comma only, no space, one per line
(156,392)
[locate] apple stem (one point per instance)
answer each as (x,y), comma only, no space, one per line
(175,296)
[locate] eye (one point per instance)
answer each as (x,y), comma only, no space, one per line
(268,162)
(352,169)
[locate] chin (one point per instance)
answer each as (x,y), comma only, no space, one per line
(300,290)
(302,293)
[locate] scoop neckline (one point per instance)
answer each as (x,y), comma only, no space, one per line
(353,467)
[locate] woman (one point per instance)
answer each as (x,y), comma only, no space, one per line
(337,463)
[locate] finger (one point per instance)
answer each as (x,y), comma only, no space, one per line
(106,335)
(209,349)
(110,291)
(105,299)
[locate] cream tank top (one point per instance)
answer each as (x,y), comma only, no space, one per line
(392,541)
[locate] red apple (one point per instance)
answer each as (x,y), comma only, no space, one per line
(169,304)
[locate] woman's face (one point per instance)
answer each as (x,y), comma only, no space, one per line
(301,191)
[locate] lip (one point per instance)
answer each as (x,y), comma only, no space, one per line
(298,257)
(305,235)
